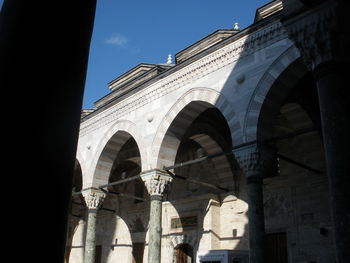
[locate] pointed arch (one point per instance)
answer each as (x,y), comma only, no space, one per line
(284,72)
(184,111)
(111,143)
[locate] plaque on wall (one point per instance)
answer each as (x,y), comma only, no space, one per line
(183,222)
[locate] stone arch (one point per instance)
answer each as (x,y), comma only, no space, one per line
(83,165)
(284,72)
(212,143)
(177,240)
(192,103)
(110,145)
(79,158)
(78,176)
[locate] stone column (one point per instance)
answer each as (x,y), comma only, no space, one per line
(322,36)
(156,182)
(255,162)
(93,199)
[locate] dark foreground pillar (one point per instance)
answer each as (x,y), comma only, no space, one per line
(256,218)
(321,33)
(44,48)
(332,84)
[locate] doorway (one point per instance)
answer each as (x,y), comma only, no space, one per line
(183,254)
(276,248)
(137,252)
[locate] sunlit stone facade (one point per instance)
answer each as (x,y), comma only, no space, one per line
(247,93)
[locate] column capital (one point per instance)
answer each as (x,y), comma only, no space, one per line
(156,181)
(256,161)
(93,198)
(319,34)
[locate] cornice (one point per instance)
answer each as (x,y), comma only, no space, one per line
(228,54)
(318,34)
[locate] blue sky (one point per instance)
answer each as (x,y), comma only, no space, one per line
(129,32)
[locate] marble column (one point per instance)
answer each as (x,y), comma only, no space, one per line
(93,199)
(322,36)
(156,182)
(255,161)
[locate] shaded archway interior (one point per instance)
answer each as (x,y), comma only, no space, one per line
(128,164)
(129,198)
(293,188)
(207,133)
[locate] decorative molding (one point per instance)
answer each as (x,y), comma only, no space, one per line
(255,161)
(317,34)
(156,181)
(210,63)
(257,99)
(93,198)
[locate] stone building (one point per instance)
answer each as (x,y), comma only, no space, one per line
(219,155)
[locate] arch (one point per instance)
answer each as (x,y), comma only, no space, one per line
(177,240)
(110,145)
(77,177)
(83,165)
(284,72)
(211,142)
(190,105)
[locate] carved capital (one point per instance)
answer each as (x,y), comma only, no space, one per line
(156,181)
(256,161)
(318,34)
(93,198)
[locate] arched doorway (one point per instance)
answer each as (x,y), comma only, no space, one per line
(183,254)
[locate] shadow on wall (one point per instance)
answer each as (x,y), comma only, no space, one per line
(274,94)
(265,72)
(199,223)
(76,233)
(242,77)
(203,217)
(123,218)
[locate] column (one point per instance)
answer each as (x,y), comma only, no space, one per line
(331,86)
(255,161)
(322,34)
(93,199)
(156,182)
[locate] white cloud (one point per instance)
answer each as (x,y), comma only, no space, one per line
(117,40)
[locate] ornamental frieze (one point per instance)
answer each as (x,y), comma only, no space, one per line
(218,59)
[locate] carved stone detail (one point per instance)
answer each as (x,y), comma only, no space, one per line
(317,35)
(156,182)
(93,198)
(256,161)
(222,57)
